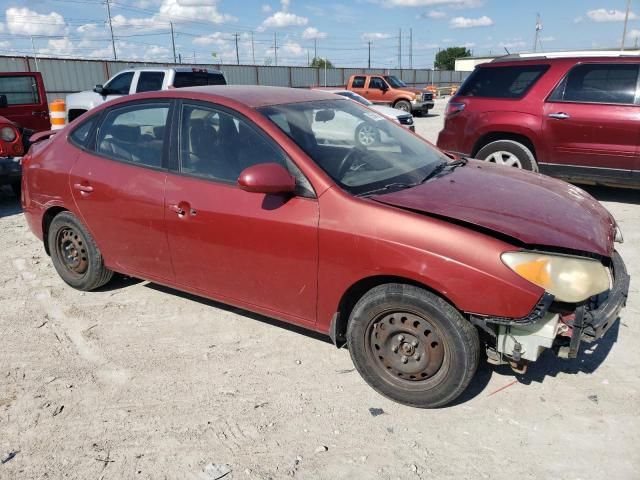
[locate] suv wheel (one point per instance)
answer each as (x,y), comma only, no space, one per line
(412,346)
(508,153)
(403,105)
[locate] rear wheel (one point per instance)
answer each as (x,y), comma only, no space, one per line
(403,105)
(412,346)
(75,255)
(508,153)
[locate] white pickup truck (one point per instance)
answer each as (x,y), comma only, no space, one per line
(138,80)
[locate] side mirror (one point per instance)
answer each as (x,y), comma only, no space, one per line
(100,90)
(267,178)
(384,87)
(3,101)
(325,115)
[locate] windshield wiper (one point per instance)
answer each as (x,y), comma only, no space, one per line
(448,166)
(389,186)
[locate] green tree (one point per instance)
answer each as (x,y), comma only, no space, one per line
(446,59)
(318,62)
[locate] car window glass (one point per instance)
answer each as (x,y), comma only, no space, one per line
(134,134)
(358,82)
(502,82)
(376,82)
(150,81)
(599,83)
(80,135)
(197,79)
(22,90)
(121,84)
(219,146)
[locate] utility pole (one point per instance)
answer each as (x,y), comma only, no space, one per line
(253,50)
(536,39)
(411,48)
(626,20)
(275,47)
(194,56)
(400,49)
(308,61)
(113,43)
(315,48)
(173,42)
(35,55)
(236,35)
(369,61)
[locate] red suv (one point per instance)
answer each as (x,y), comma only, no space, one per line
(264,198)
(573,118)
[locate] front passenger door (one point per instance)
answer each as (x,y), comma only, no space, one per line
(250,249)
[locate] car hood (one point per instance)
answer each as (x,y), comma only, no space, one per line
(410,89)
(389,112)
(532,208)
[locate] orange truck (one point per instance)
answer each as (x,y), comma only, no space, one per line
(390,90)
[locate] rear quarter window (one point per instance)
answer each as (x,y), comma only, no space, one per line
(502,82)
(198,79)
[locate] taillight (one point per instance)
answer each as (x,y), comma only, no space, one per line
(454,108)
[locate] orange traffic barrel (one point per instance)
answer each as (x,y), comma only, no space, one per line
(56,113)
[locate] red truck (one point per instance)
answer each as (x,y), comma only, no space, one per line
(23,111)
(390,90)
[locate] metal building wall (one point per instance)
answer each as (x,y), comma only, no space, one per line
(63,76)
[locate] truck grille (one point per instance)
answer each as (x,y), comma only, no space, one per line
(427,97)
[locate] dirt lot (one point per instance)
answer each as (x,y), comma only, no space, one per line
(139,381)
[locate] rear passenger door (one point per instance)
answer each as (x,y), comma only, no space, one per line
(118,184)
(592,120)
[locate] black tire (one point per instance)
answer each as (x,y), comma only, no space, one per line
(403,105)
(412,346)
(525,157)
(17,188)
(367,135)
(82,268)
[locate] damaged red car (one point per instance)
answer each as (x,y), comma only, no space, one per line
(257,197)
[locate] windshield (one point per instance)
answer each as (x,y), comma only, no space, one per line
(395,82)
(355,96)
(360,149)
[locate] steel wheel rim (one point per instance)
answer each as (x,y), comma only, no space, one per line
(367,135)
(72,251)
(405,347)
(507,159)
(403,107)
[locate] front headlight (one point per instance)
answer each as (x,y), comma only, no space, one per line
(7,134)
(418,96)
(569,279)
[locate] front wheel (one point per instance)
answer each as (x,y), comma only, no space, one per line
(412,346)
(367,135)
(75,255)
(403,105)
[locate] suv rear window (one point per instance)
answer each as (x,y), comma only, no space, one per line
(502,82)
(197,79)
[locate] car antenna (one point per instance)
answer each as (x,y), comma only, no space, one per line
(508,52)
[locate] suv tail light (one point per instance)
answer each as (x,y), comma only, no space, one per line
(454,107)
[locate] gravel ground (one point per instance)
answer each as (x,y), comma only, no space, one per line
(139,381)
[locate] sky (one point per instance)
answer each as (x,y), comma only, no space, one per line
(341,31)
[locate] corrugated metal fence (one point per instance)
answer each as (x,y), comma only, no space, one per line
(62,76)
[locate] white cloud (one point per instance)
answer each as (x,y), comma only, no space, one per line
(432,3)
(549,38)
(604,15)
(22,21)
(284,19)
(285,4)
(462,22)
(266,8)
(58,46)
(633,34)
(375,36)
(513,44)
(434,14)
(217,38)
(294,49)
(311,33)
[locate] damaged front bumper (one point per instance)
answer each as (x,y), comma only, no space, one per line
(517,341)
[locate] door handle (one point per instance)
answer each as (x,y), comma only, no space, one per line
(177,209)
(40,114)
(83,188)
(559,115)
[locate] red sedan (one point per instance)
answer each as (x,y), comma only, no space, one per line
(262,198)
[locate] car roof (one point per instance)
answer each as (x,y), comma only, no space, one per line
(161,68)
(249,95)
(513,60)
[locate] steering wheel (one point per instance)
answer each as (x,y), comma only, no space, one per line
(347,162)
